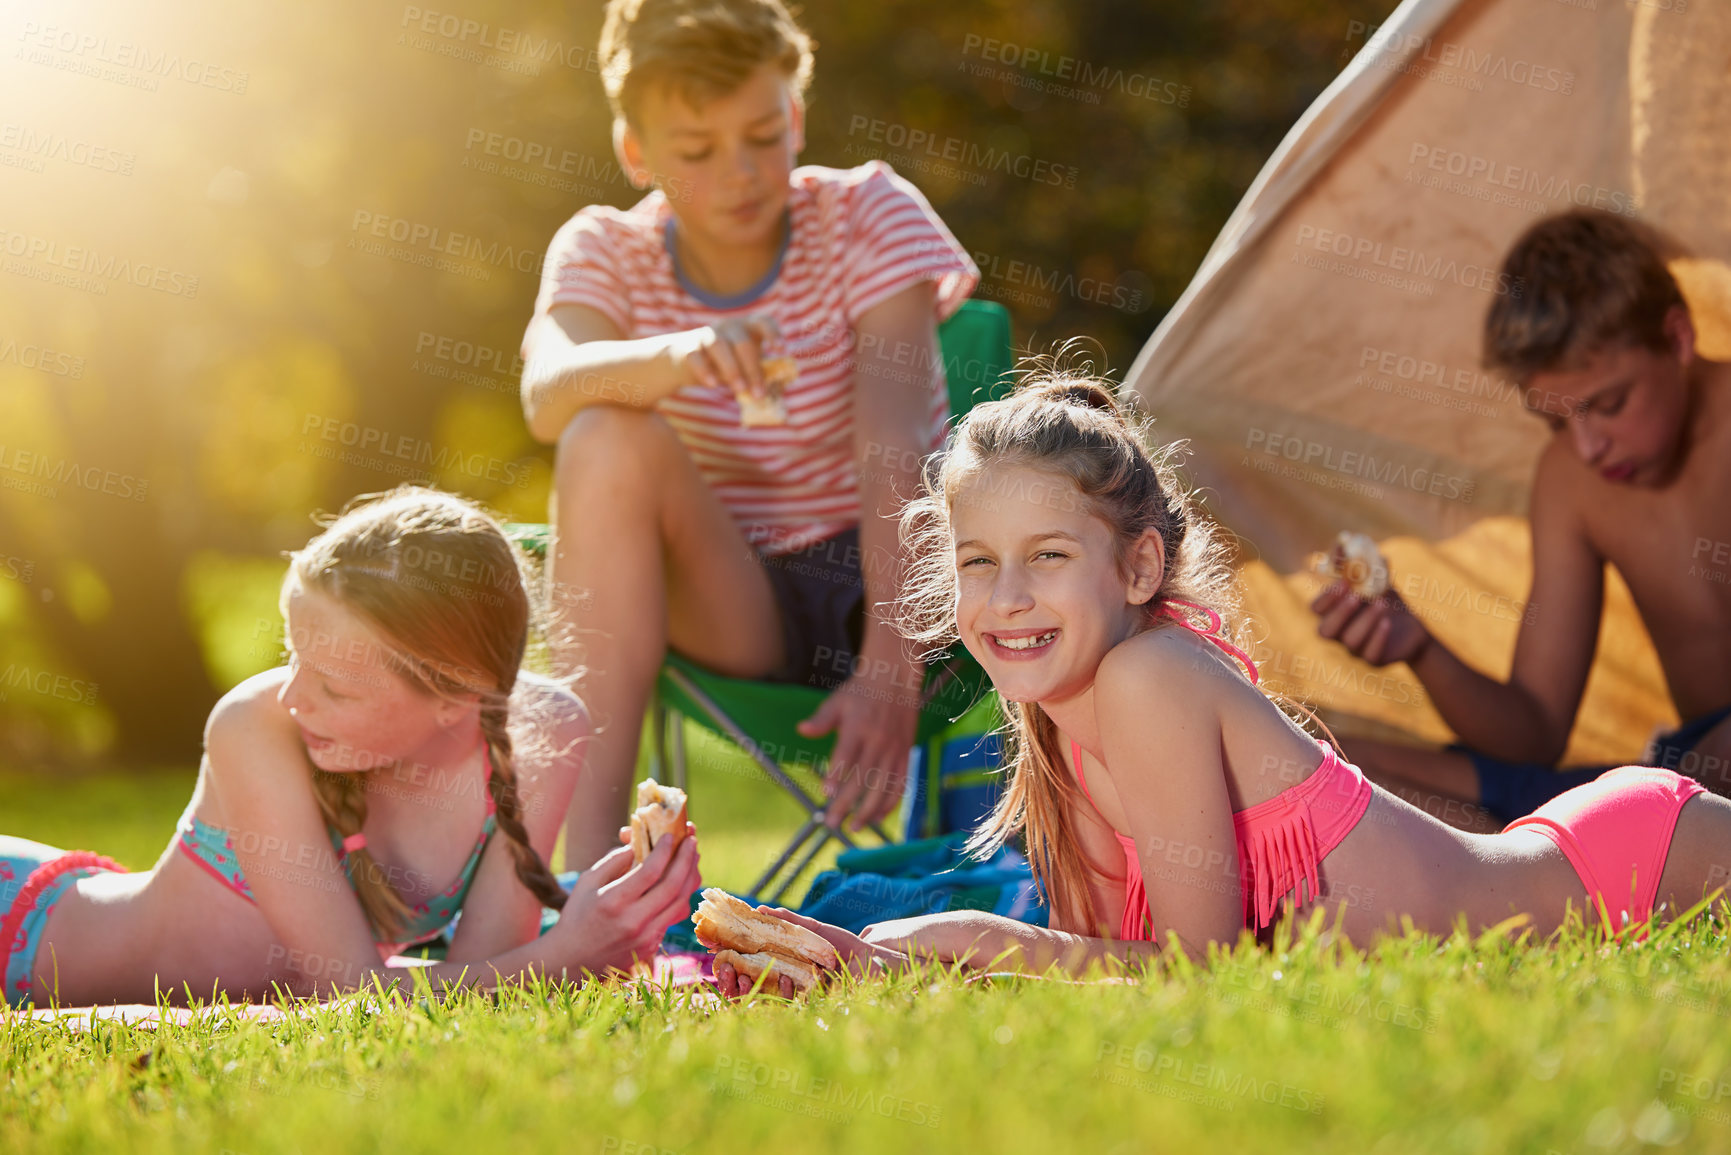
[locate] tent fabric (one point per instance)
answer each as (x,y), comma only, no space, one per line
(1324,362)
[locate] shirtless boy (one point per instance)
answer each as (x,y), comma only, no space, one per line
(1637,474)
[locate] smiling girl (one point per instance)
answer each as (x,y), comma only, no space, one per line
(401,767)
(1162,796)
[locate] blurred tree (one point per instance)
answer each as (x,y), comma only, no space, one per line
(301,273)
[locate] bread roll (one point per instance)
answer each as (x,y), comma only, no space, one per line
(660,810)
(723,922)
(1356,561)
(779,373)
(770,409)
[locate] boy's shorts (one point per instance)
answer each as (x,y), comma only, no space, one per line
(820,599)
(1510,790)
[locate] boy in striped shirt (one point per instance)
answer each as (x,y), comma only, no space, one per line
(758,550)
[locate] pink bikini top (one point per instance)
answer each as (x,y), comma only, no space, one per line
(1281,841)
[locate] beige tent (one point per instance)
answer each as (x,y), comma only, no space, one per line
(1324,362)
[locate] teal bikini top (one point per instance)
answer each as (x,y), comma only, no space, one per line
(213,849)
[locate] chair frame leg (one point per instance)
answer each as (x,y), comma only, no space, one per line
(811,827)
(814,806)
(660,769)
(669,726)
(797,869)
(681,769)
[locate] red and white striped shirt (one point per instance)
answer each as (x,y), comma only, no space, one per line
(858,237)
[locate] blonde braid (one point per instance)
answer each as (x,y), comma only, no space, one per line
(502,785)
(342,800)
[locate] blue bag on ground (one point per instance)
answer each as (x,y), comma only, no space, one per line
(922,877)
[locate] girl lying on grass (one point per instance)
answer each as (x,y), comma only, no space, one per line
(400,768)
(1162,797)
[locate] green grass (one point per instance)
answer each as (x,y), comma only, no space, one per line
(1420,1044)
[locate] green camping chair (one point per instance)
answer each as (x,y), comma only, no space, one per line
(759,717)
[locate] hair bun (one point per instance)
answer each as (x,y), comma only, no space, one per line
(1086,392)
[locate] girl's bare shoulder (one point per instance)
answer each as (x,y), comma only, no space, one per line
(549,727)
(255,761)
(1170,660)
(251,706)
(550,705)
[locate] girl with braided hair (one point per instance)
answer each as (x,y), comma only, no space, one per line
(399,768)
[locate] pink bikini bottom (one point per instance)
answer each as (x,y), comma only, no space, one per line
(1616,831)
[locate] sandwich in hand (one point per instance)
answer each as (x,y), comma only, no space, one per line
(1356,561)
(755,944)
(770,409)
(660,811)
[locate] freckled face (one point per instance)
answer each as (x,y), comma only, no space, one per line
(1040,597)
(354,712)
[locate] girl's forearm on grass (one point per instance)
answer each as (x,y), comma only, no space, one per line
(994,942)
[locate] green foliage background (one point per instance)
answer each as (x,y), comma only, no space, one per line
(271,130)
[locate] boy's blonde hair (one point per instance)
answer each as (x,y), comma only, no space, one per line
(1073,425)
(696,49)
